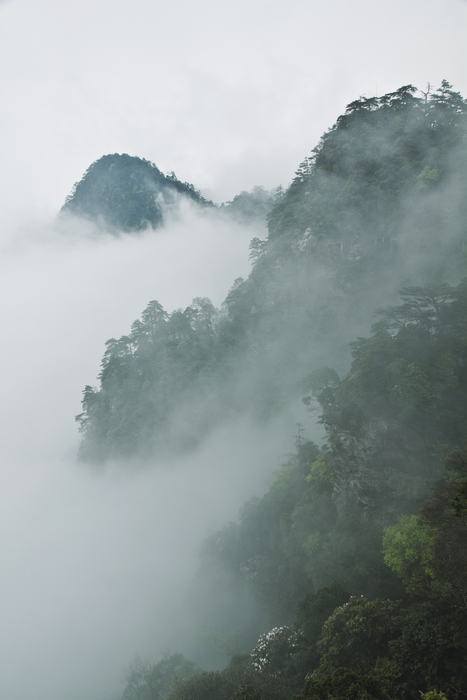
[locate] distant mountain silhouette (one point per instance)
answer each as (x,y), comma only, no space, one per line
(127,193)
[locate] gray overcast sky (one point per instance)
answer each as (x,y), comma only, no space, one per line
(228,95)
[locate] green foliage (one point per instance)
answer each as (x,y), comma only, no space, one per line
(341,684)
(443,512)
(428,648)
(274,650)
(320,471)
(409,367)
(314,609)
(366,647)
(402,649)
(265,554)
(240,682)
(407,550)
(323,383)
(248,206)
(148,681)
(144,379)
(247,692)
(387,424)
(368,161)
(357,634)
(428,178)
(382,195)
(289,543)
(312,612)
(340,241)
(125,192)
(210,685)
(433,695)
(402,405)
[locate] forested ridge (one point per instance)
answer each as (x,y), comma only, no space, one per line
(123,193)
(126,193)
(347,579)
(378,206)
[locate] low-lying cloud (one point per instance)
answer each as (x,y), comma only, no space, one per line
(96,564)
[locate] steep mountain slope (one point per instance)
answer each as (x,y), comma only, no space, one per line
(127,193)
(379,160)
(380,204)
(357,569)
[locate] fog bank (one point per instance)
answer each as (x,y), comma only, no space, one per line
(95,564)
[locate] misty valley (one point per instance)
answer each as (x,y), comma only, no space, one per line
(325,396)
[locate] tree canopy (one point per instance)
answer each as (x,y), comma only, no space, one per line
(380,204)
(347,579)
(127,193)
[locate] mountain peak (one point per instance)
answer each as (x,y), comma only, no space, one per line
(127,193)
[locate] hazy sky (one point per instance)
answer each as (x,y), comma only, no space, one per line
(227,95)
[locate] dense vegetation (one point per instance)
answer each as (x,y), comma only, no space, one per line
(389,422)
(400,639)
(248,206)
(127,193)
(379,205)
(347,579)
(403,631)
(361,585)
